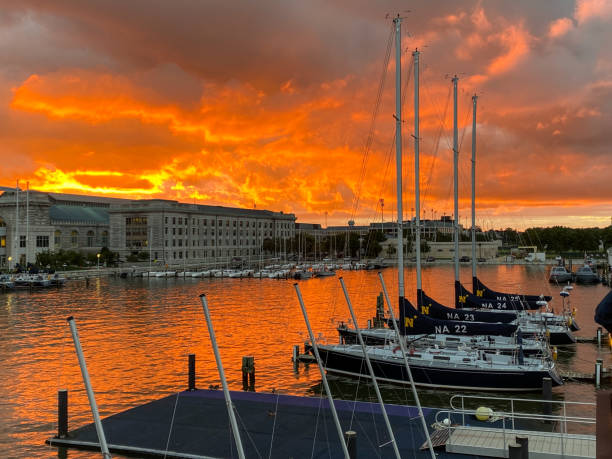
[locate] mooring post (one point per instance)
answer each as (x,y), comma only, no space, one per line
(547,397)
(598,367)
(87,282)
(523,440)
(62,413)
(296,353)
(603,425)
(515,451)
(598,336)
(248,373)
(350,436)
(192,372)
(369,323)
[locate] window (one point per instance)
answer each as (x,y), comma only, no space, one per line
(57,240)
(166,220)
(42,241)
(104,238)
(74,238)
(2,241)
(22,241)
(174,223)
(180,223)
(90,238)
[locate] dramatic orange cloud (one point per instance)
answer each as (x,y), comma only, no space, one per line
(276,107)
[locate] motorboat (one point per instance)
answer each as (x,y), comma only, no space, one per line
(559,275)
(586,275)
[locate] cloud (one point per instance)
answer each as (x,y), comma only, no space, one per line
(560,27)
(271,103)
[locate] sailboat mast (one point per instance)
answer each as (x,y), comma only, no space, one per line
(398,154)
(417,187)
(456,176)
(27,222)
(17,240)
(474,99)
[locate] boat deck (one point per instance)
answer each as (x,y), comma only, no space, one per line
(494,443)
(195,424)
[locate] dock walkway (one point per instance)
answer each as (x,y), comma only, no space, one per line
(494,443)
(271,425)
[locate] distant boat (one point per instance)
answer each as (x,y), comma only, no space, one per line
(586,275)
(559,275)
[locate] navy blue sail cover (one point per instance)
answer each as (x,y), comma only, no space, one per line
(430,307)
(603,312)
(413,323)
(465,299)
(482,290)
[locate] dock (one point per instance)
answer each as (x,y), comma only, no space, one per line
(494,443)
(195,424)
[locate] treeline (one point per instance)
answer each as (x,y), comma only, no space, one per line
(560,238)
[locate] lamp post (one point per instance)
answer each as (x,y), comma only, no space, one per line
(9,262)
(98,257)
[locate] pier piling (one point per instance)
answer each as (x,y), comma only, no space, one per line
(598,367)
(192,372)
(523,440)
(598,336)
(62,413)
(248,373)
(603,424)
(350,436)
(547,396)
(296,353)
(515,451)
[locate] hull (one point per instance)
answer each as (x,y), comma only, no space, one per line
(349,336)
(448,378)
(515,298)
(560,278)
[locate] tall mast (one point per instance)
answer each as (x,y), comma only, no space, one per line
(27,221)
(417,185)
(398,154)
(17,242)
(456,176)
(474,99)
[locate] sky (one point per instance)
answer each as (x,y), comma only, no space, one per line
(273,105)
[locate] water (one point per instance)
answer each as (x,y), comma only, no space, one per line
(136,335)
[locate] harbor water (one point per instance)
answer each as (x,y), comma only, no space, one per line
(136,334)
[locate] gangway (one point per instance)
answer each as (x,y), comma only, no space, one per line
(467,436)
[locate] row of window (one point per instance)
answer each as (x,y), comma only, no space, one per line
(206,253)
(204,222)
(42,241)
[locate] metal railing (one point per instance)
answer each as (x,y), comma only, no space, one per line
(508,418)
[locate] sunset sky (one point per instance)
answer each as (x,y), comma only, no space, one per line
(270,103)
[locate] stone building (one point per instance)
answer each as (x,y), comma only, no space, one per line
(180,232)
(33,222)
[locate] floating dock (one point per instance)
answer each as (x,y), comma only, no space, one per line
(195,424)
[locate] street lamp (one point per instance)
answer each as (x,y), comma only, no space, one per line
(98,256)
(9,262)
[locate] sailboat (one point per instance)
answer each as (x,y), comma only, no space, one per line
(465,368)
